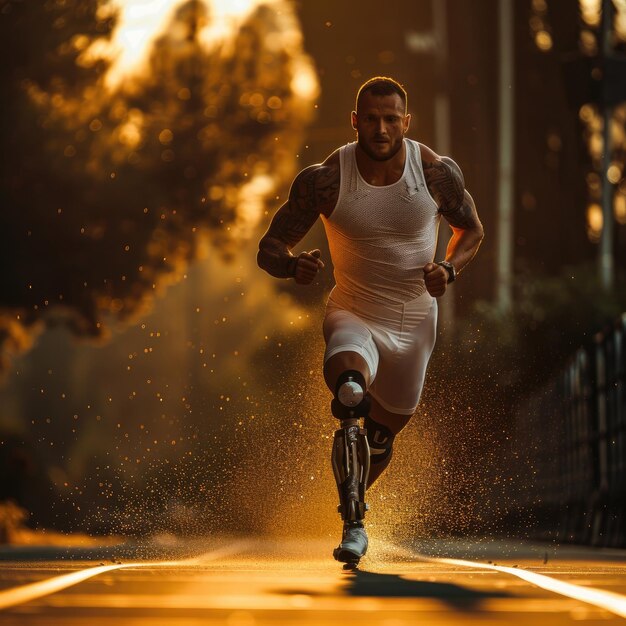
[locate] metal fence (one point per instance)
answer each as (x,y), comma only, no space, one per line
(572,437)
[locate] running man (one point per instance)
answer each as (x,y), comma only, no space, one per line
(380,200)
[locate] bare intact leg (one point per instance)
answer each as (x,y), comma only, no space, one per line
(395,422)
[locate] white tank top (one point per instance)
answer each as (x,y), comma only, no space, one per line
(380,238)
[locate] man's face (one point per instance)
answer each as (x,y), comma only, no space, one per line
(380,123)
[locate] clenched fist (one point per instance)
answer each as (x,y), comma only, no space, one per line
(436,279)
(307,267)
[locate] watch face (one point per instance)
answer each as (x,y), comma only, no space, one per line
(450,269)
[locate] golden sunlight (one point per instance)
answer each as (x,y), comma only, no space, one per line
(619,208)
(620,19)
(226,17)
(304,82)
(140,22)
(594,222)
(591,11)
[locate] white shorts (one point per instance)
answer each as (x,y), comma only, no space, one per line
(395,340)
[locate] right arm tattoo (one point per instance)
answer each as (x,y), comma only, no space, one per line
(313,191)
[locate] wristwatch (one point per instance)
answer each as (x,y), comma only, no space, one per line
(450,268)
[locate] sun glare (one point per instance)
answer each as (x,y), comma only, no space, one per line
(304,82)
(140,22)
(225,17)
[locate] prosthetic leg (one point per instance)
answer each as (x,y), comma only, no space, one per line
(351,463)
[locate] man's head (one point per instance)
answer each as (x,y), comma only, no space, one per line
(381,86)
(381,117)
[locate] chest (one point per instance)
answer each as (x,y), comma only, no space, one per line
(404,210)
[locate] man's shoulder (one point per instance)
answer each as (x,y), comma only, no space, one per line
(444,178)
(428,155)
(430,158)
(321,173)
(319,184)
(331,165)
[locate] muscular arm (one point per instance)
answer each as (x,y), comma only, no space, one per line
(467,233)
(314,191)
(445,182)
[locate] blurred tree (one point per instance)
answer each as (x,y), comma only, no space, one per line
(108,185)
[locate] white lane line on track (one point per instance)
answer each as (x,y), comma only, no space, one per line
(608,600)
(25,593)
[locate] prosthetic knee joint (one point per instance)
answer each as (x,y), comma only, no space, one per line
(351,457)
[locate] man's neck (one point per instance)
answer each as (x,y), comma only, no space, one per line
(381,173)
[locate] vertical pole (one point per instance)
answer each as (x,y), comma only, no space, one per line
(442,100)
(442,132)
(505,162)
(606,239)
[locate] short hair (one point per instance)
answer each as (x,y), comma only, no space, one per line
(382,86)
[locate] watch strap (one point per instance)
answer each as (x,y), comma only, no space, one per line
(450,269)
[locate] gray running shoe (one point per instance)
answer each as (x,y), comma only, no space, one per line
(353,545)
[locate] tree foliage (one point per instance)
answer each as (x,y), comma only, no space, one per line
(107,187)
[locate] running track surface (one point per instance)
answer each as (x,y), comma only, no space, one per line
(257,582)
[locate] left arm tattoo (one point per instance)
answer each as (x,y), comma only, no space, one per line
(464,216)
(445,182)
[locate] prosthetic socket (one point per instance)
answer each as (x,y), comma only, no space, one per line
(351,456)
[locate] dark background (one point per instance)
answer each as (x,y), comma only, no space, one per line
(187,395)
